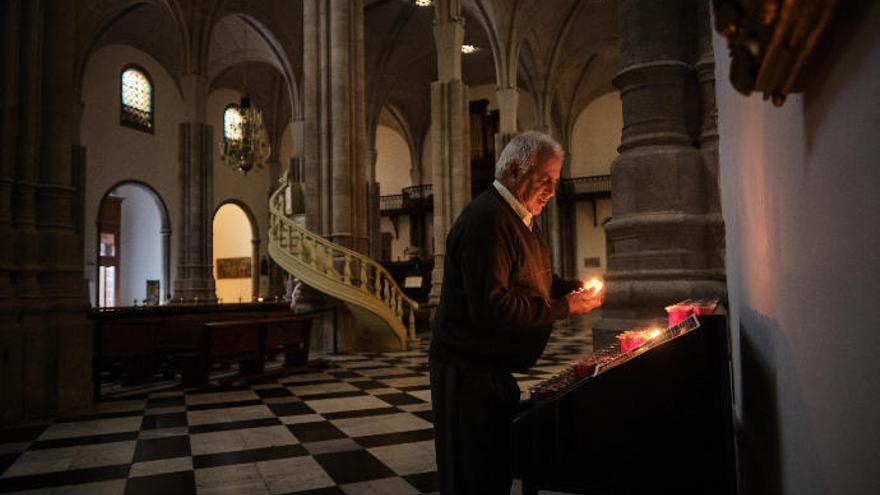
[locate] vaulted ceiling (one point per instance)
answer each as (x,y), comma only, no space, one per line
(563,53)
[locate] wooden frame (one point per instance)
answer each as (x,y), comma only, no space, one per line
(234,267)
(771,42)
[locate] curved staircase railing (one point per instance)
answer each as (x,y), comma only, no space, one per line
(339,272)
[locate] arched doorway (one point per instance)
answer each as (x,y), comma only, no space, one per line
(133,247)
(236,253)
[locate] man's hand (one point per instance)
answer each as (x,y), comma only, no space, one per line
(581,302)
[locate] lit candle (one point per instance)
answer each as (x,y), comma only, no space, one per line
(595,284)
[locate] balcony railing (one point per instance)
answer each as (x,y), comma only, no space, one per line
(410,200)
(423,191)
(391,202)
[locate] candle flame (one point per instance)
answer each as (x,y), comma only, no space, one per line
(654,333)
(594,283)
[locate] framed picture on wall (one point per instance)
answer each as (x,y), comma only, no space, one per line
(152,293)
(234,267)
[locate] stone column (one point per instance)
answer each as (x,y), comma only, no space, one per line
(61,255)
(45,338)
(294,167)
(335,126)
(374,207)
(195,274)
(9,74)
(255,264)
(508,99)
(662,234)
(708,139)
(165,289)
(16,203)
(449,135)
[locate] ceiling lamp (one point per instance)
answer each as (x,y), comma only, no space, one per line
(466,49)
(424,3)
(244,146)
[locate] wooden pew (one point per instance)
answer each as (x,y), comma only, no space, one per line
(137,340)
(290,336)
(223,342)
(248,342)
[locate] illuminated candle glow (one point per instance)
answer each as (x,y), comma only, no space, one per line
(594,283)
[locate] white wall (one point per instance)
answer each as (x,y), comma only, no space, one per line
(589,238)
(141,247)
(594,141)
(393,164)
(232,239)
(801,201)
(596,136)
(251,189)
(393,161)
(115,153)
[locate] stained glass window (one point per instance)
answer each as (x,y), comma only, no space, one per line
(137,99)
(232,123)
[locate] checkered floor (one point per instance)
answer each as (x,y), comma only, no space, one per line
(361,425)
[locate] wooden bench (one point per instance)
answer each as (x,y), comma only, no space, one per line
(133,344)
(248,342)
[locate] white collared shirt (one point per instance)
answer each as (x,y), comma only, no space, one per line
(514,203)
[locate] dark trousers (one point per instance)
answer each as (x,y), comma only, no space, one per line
(472,409)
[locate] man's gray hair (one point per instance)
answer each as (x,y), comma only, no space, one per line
(527,150)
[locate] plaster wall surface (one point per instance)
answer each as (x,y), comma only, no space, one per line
(596,136)
(393,162)
(115,153)
(141,249)
(800,192)
(232,239)
(591,238)
(252,189)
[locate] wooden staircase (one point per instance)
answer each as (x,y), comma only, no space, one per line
(376,301)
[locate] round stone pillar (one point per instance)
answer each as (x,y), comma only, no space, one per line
(662,237)
(450,138)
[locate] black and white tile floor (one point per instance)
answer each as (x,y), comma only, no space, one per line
(362,425)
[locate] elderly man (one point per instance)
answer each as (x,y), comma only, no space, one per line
(498,303)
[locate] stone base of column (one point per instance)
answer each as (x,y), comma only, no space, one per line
(57,376)
(198,287)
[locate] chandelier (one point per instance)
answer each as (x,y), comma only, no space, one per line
(244,146)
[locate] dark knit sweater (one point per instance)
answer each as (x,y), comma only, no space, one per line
(499,297)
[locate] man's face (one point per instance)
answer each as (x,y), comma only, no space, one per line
(538,185)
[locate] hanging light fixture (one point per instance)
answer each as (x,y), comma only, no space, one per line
(244,146)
